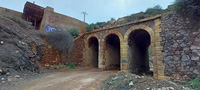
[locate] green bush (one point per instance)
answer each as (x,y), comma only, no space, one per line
(112,19)
(101,24)
(73,31)
(134,17)
(195,84)
(123,22)
(90,27)
(70,66)
(97,25)
(154,11)
(62,41)
(187,7)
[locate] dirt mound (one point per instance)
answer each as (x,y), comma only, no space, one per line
(129,81)
(20,48)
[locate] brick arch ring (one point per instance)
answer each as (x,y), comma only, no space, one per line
(151,33)
(116,33)
(143,27)
(90,36)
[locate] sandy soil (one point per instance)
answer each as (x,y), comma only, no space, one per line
(79,79)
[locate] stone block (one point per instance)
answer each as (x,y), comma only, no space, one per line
(160,72)
(160,63)
(159,48)
(157,44)
(193,47)
(164,77)
(185,58)
(157,27)
(155,75)
(195,58)
(157,35)
(161,69)
(160,58)
(152,44)
(154,58)
(153,52)
(158,39)
(158,30)
(124,66)
(157,22)
(158,53)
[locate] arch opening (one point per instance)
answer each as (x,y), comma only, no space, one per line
(139,52)
(112,52)
(93,52)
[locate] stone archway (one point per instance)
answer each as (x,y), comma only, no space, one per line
(91,56)
(112,52)
(139,42)
(121,40)
(93,51)
(150,37)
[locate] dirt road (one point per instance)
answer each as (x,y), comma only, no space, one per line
(80,79)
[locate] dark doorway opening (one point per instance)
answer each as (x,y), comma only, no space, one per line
(139,42)
(112,52)
(93,52)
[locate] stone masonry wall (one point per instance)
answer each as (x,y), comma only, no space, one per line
(181,42)
(78,51)
(60,21)
(51,56)
(5,11)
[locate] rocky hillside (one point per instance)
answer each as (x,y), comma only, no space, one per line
(20,48)
(129,81)
(150,12)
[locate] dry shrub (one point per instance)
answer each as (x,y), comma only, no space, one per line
(62,41)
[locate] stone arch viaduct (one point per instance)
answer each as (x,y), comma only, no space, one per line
(124,47)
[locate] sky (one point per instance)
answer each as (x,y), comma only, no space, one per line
(97,10)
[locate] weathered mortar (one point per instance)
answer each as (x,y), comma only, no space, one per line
(181,41)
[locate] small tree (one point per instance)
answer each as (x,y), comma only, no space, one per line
(73,31)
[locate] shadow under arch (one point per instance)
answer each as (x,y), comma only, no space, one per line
(112,52)
(92,51)
(139,39)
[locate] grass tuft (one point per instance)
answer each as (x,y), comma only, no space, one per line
(195,84)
